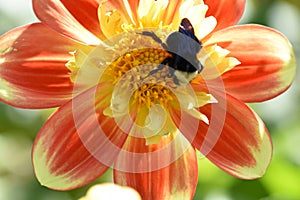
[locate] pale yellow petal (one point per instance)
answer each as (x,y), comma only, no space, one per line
(151,12)
(111,21)
(204,98)
(205,27)
(110,191)
(195,11)
(215,61)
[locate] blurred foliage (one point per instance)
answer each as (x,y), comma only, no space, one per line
(18,129)
(295,3)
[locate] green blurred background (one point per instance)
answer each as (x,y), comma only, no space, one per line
(18,127)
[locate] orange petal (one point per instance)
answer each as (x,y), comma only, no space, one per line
(152,171)
(171,9)
(134,4)
(236,139)
(76,145)
(227,12)
(75,19)
(267,61)
(32,67)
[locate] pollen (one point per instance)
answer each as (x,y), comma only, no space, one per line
(131,72)
(150,94)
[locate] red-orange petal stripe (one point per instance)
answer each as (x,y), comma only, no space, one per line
(75,19)
(76,145)
(236,140)
(227,12)
(267,59)
(178,180)
(133,4)
(172,8)
(85,11)
(32,67)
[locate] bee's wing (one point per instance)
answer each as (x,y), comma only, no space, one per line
(187,29)
(188,43)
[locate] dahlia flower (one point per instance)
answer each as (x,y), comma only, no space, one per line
(89,59)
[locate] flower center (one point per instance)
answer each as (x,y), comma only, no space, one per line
(131,72)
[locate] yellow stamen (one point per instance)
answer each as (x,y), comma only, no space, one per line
(135,66)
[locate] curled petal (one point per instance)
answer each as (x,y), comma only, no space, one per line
(176,180)
(32,67)
(75,19)
(267,62)
(77,144)
(236,139)
(227,12)
(124,7)
(111,21)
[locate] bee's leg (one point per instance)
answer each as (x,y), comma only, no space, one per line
(160,67)
(172,75)
(200,67)
(175,79)
(155,38)
(152,35)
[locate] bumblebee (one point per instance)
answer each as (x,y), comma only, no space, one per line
(183,47)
